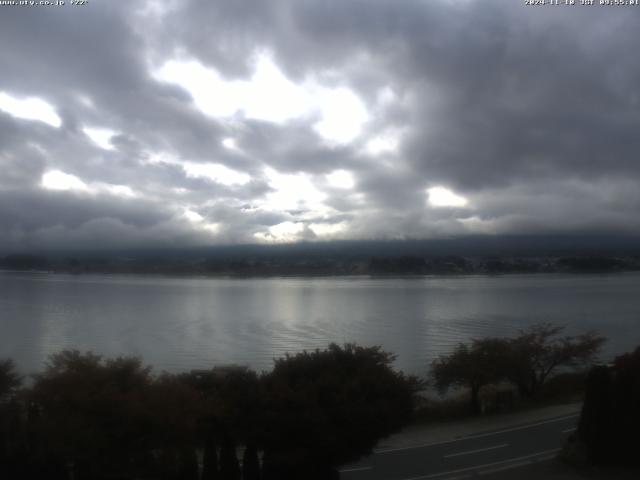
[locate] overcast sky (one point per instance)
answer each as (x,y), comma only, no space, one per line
(187,122)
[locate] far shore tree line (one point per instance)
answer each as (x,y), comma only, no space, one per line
(85,417)
(322,264)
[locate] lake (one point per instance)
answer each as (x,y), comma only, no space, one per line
(178,324)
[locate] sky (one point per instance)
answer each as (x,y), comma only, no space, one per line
(181,123)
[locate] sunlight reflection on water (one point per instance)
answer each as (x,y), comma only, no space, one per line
(183,323)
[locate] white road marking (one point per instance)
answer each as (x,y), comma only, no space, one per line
(522,463)
(480,435)
(355,469)
(492,464)
(469,452)
(569,430)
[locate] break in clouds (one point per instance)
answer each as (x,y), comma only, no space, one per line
(194,123)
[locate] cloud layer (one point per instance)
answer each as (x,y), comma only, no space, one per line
(178,123)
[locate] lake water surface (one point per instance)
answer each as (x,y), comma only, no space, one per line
(182,323)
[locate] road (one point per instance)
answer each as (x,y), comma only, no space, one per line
(482,453)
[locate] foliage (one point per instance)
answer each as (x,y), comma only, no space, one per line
(250,463)
(610,418)
(90,410)
(188,464)
(231,402)
(540,350)
(328,407)
(210,461)
(473,366)
(229,465)
(527,360)
(173,410)
(111,418)
(9,379)
(595,419)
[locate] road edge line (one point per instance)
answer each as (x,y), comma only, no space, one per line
(479,435)
(531,456)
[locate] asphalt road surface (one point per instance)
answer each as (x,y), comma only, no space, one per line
(483,453)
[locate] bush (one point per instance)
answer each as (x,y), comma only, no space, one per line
(111,418)
(610,418)
(329,407)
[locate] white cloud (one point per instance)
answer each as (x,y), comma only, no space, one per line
(386,142)
(57,180)
(270,96)
(328,229)
(193,216)
(100,136)
(157,9)
(282,232)
(292,192)
(443,197)
(199,222)
(216,172)
(476,224)
(115,190)
(341,179)
(230,143)
(30,109)
(343,115)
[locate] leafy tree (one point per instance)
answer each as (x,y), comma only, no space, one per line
(229,465)
(9,379)
(210,461)
(168,465)
(250,463)
(329,407)
(10,441)
(188,465)
(595,424)
(472,366)
(540,350)
(92,412)
(610,418)
(527,360)
(173,413)
(231,400)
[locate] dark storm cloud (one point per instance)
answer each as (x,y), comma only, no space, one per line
(534,100)
(530,113)
(44,209)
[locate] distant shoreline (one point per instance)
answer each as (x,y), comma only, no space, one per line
(311,275)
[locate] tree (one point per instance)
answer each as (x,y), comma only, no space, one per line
(527,360)
(250,463)
(540,350)
(596,418)
(472,366)
(188,464)
(210,461)
(9,379)
(231,402)
(329,407)
(610,418)
(229,465)
(93,412)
